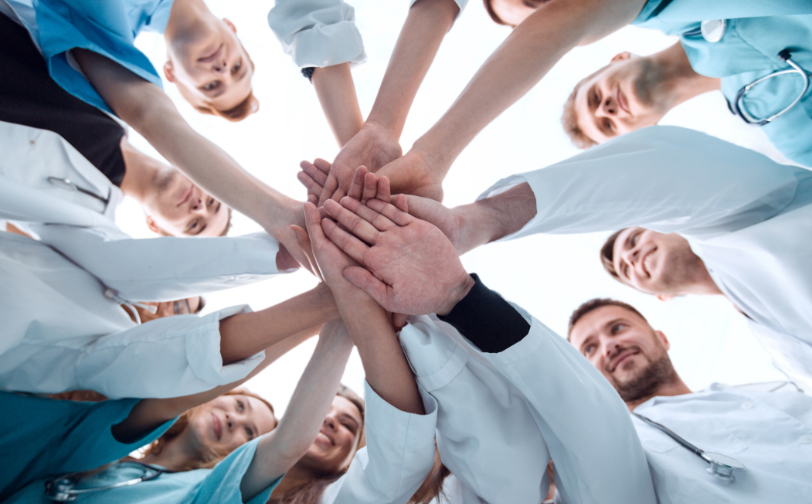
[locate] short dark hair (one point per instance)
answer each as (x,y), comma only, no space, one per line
(201,305)
(594,304)
(608,254)
(569,119)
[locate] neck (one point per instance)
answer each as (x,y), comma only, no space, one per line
(679,81)
(185,20)
(673,387)
(700,281)
(140,172)
(174,456)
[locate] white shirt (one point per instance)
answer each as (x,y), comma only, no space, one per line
(83,229)
(769,432)
(60,332)
(747,217)
(502,417)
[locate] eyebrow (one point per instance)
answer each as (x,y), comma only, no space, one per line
(593,105)
(354,421)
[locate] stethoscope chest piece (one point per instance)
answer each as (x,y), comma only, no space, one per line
(60,490)
(722,466)
(713,29)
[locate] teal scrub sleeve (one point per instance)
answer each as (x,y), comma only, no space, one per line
(667,15)
(107,30)
(41,437)
(222,484)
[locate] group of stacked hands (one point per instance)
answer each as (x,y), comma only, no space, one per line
(467,396)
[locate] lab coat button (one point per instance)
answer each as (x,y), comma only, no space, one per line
(747,405)
(805,439)
(32,142)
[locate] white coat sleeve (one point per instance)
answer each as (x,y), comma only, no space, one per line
(397,458)
(665,178)
(317,33)
(594,446)
(166,357)
(167,268)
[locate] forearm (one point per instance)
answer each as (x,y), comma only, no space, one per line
(336,91)
(426,25)
(245,334)
(493,218)
(385,366)
(308,405)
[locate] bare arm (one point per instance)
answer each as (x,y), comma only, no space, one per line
(336,92)
(149,111)
(517,65)
(285,445)
(245,334)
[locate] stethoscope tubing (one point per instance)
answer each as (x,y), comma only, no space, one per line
(796,68)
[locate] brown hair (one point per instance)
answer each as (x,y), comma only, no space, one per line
(569,118)
(608,254)
(242,110)
(210,459)
(432,487)
(594,304)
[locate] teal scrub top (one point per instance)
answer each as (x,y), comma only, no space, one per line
(757,30)
(46,438)
(106,27)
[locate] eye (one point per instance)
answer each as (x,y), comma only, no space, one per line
(240,406)
(635,239)
(236,68)
(249,432)
(212,85)
(176,307)
(617,328)
(608,125)
(193,225)
(211,201)
(588,350)
(625,269)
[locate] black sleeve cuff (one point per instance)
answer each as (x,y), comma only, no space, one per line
(308,72)
(487,320)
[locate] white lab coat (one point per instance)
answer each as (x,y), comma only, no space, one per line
(60,332)
(747,217)
(502,417)
(320,33)
(81,228)
(398,455)
(769,432)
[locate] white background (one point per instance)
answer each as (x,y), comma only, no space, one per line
(548,275)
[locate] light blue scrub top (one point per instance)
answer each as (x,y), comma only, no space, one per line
(107,27)
(46,438)
(757,30)
(41,439)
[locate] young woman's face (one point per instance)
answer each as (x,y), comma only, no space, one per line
(212,67)
(225,423)
(337,441)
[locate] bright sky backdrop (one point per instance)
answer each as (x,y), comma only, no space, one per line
(549,275)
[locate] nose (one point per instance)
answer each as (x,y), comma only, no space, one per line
(608,107)
(611,348)
(331,422)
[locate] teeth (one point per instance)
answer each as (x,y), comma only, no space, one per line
(323,437)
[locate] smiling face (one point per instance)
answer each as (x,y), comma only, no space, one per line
(337,441)
(177,207)
(625,349)
(621,98)
(225,423)
(655,263)
(210,66)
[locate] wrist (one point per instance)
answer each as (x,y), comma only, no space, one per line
(458,293)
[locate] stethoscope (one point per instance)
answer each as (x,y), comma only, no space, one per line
(66,183)
(63,489)
(720,466)
(712,31)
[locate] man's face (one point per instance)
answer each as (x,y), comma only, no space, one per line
(625,349)
(654,263)
(169,308)
(179,208)
(620,99)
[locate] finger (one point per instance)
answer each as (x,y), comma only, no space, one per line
(313,223)
(304,242)
(319,176)
(368,283)
(313,198)
(370,187)
(380,222)
(348,243)
(352,222)
(322,164)
(299,256)
(392,212)
(401,201)
(329,188)
(357,186)
(311,185)
(338,194)
(384,193)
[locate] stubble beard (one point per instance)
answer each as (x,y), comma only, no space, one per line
(646,381)
(647,83)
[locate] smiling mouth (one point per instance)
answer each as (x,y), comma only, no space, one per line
(186,196)
(325,438)
(217,427)
(211,57)
(621,101)
(644,259)
(622,358)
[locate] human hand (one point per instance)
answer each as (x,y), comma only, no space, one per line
(313,176)
(415,173)
(410,267)
(374,146)
(291,254)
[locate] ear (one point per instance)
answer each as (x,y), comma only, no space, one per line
(665,297)
(152,226)
(230,25)
(621,56)
(663,340)
(169,71)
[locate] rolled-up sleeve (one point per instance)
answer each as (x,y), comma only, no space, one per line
(396,460)
(317,33)
(167,357)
